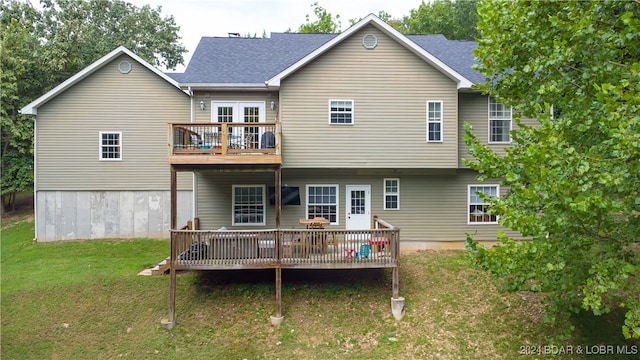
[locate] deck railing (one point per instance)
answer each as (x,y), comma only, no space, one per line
(224,138)
(294,248)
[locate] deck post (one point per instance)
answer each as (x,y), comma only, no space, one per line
(278,204)
(397,301)
(395,282)
(172,287)
(170,323)
(279,292)
(276,320)
(174,199)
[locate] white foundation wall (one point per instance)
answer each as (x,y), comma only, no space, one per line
(70,215)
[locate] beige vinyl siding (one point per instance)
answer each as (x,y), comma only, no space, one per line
(474,109)
(233,96)
(390,87)
(214,200)
(433,204)
(138,104)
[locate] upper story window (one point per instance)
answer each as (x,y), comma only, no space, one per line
(322,201)
(341,112)
(392,194)
(434,121)
(478,204)
(499,122)
(248,205)
(110,145)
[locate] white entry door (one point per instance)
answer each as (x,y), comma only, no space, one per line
(358,207)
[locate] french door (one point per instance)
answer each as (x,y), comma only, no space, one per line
(240,112)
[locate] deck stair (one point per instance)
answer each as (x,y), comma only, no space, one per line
(160,269)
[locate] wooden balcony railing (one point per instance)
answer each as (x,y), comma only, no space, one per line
(189,142)
(295,248)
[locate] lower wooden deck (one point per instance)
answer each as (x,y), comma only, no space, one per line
(301,249)
(284,249)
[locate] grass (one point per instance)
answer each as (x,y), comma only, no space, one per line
(83,300)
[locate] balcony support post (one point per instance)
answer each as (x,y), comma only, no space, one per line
(171,321)
(277,244)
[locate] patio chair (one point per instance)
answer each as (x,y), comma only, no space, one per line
(268,140)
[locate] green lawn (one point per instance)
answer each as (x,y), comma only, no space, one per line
(83,300)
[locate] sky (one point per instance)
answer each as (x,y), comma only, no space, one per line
(198,18)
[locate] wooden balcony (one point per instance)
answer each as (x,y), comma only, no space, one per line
(224,144)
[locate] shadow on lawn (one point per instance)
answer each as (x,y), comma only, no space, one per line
(374,278)
(595,332)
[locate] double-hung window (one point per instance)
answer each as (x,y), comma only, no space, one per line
(391,194)
(434,121)
(248,204)
(110,146)
(479,204)
(341,112)
(322,201)
(499,122)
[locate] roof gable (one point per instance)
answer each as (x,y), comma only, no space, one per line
(462,81)
(261,63)
(32,108)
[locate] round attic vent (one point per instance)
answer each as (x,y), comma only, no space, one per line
(369,41)
(124,67)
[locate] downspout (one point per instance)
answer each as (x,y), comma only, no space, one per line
(35,179)
(193,174)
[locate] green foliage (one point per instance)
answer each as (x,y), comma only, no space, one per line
(456,20)
(76,33)
(42,48)
(18,167)
(325,23)
(574,177)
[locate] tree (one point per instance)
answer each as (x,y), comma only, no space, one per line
(398,24)
(325,23)
(75,33)
(17,64)
(456,20)
(573,179)
(42,48)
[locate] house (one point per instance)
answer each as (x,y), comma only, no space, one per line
(362,129)
(368,116)
(371,123)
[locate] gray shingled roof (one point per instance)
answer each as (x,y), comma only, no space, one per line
(458,54)
(220,60)
(245,60)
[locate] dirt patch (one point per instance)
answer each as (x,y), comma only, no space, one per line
(23,210)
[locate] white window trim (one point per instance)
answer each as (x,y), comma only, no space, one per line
(100,133)
(490,119)
(306,200)
(469,203)
(353,112)
(384,195)
(441,122)
(233,205)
